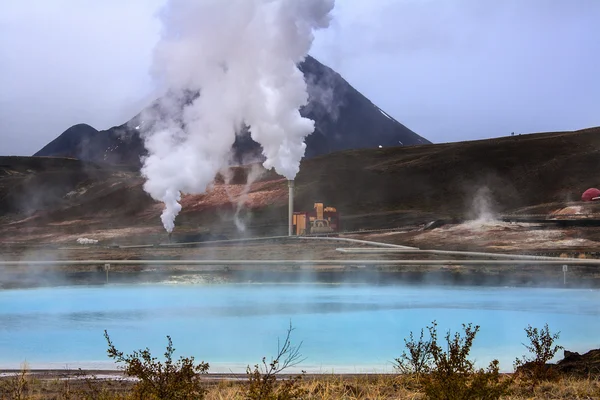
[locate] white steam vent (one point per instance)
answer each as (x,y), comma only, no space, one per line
(242,57)
(86,241)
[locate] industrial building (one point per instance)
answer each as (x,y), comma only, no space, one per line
(320,220)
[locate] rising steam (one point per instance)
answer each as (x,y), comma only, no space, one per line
(254,173)
(241,56)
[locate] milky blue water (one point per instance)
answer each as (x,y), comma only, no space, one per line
(343,328)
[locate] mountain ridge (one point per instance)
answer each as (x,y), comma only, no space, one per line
(344,119)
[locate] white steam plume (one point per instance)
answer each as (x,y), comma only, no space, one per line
(241,56)
(255,172)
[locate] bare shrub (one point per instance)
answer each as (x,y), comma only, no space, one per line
(418,359)
(542,344)
(170,380)
(453,376)
(16,387)
(262,379)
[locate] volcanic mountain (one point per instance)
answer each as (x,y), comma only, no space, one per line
(344,119)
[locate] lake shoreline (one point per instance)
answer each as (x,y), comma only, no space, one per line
(529,277)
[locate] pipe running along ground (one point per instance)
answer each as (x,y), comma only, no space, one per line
(359,241)
(594,262)
(266,238)
(355,250)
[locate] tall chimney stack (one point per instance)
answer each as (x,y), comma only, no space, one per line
(291,208)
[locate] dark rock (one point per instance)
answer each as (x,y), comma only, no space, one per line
(580,364)
(572,363)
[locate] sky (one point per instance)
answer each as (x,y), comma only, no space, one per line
(450,70)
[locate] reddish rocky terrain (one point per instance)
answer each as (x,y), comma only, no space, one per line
(57,200)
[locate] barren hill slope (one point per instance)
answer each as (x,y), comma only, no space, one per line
(515,171)
(46,196)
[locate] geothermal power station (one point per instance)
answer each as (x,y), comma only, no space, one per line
(264,216)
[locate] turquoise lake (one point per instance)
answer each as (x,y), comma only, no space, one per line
(343,327)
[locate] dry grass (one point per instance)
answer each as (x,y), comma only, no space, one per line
(335,387)
(327,387)
(564,388)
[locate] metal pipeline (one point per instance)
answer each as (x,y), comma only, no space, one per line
(300,262)
(356,250)
(210,242)
(259,239)
(391,246)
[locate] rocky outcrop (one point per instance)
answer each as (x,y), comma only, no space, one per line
(580,364)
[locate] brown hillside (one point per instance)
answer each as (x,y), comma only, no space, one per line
(518,171)
(40,197)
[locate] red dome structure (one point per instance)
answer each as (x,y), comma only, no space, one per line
(590,194)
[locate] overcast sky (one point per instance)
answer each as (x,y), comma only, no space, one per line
(448,69)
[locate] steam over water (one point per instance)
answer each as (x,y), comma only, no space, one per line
(345,328)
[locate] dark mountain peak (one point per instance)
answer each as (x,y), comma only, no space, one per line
(77,132)
(344,119)
(72,143)
(82,129)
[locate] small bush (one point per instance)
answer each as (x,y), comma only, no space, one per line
(542,344)
(262,379)
(419,359)
(16,387)
(453,375)
(161,381)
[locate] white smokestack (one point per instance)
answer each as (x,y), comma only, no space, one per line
(290,208)
(241,56)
